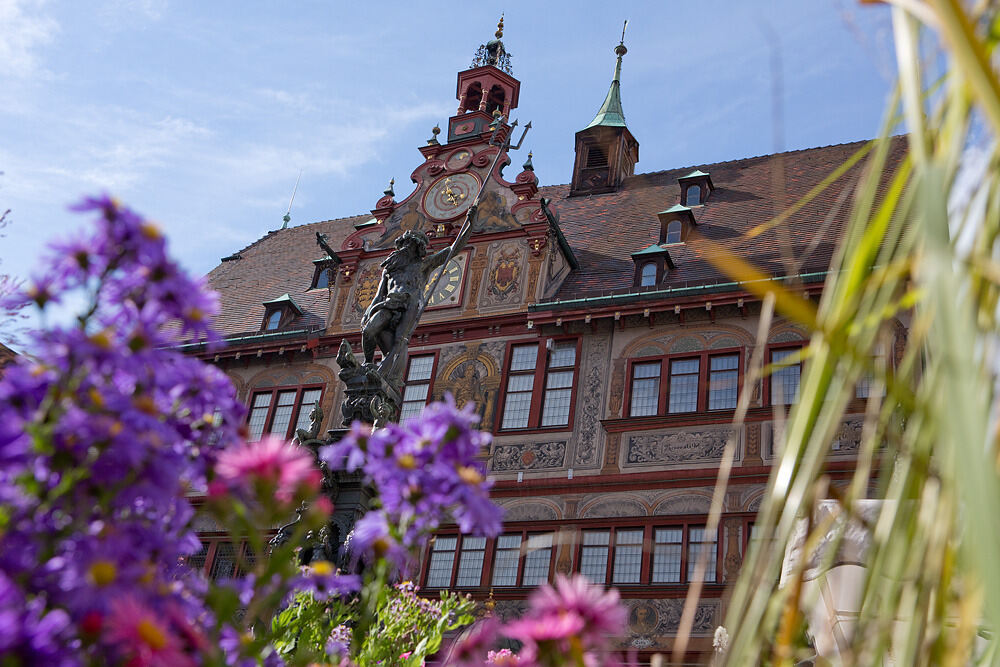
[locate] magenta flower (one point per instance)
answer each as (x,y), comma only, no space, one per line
(272,462)
(600,610)
(143,637)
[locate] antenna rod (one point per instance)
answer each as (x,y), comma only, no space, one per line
(623,31)
(288,213)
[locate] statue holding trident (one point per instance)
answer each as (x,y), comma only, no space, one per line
(374,394)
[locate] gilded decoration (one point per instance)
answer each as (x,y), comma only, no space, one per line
(472,375)
(529,456)
(588,427)
(505,279)
(704,445)
(365,288)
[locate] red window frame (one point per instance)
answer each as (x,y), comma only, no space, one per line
(768,388)
(429,382)
(296,406)
(539,387)
(214,541)
(704,375)
(489,557)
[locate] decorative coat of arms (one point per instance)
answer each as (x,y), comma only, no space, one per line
(506,273)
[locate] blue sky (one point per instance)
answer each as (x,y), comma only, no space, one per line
(201,114)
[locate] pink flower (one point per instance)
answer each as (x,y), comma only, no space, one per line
(270,461)
(143,636)
(600,610)
(503,658)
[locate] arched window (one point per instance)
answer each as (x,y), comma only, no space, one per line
(273,321)
(674,232)
(473,95)
(495,99)
(648,274)
(693,196)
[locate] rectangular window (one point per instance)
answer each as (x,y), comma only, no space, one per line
(559,384)
(669,543)
(723,381)
(594,555)
(645,398)
(442,561)
(538,395)
(418,385)
(628,556)
(520,383)
(700,541)
(470,563)
(506,560)
(683,385)
(866,382)
(281,411)
(785,380)
(218,558)
(537,556)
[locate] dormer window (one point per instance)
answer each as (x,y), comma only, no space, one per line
(675,223)
(673,232)
(695,188)
(279,312)
(651,265)
(322,272)
(648,278)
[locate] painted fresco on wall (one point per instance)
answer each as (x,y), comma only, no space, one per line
(472,375)
(504,281)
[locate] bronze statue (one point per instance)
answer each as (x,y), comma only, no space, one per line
(303,435)
(393,314)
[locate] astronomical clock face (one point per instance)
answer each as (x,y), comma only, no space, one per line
(450,196)
(449,288)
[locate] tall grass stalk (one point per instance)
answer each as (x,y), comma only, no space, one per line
(921,247)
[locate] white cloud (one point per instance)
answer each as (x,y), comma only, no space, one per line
(25,30)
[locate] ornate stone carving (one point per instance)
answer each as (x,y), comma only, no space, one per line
(588,422)
(529,456)
(734,549)
(685,504)
(686,344)
(614,507)
(752,449)
(658,618)
(848,437)
(529,511)
(704,445)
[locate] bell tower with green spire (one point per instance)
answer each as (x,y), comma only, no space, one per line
(606,152)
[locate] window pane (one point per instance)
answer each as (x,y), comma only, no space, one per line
(415,392)
(517,408)
(274,320)
(683,385)
(563,355)
(594,556)
(309,397)
(674,232)
(410,409)
(523,357)
(693,196)
(420,368)
(559,380)
(442,559)
(645,389)
(258,415)
(537,555)
(196,561)
(555,412)
(667,555)
(698,541)
(648,274)
(723,382)
(283,413)
(224,561)
(470,564)
(506,559)
(628,556)
(322,278)
(784,381)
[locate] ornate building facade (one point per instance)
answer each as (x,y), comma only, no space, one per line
(599,346)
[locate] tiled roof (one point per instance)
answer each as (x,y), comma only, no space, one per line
(603,231)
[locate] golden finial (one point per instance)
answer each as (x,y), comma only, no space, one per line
(499,32)
(490,604)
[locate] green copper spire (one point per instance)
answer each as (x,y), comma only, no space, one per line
(610,113)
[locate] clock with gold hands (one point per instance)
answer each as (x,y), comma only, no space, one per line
(450,196)
(449,289)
